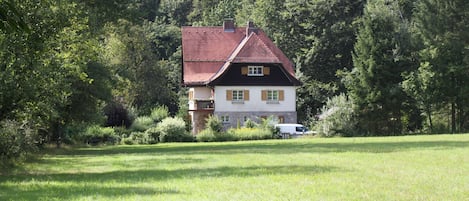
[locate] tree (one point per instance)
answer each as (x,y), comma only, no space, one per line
(443,74)
(381,55)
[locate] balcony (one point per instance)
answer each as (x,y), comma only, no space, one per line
(202,105)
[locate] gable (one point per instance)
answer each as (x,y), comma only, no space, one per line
(253,50)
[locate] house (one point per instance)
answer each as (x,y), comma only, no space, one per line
(236,73)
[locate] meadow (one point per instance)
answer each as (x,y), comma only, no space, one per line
(428,167)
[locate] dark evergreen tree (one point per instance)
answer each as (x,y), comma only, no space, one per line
(381,55)
(444,71)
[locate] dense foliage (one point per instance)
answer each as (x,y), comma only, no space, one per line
(64,63)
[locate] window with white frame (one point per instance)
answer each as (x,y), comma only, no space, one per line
(238,95)
(272,95)
(225,119)
(255,71)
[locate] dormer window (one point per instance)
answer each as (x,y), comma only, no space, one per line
(255,71)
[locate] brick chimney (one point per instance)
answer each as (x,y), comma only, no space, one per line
(228,25)
(250,28)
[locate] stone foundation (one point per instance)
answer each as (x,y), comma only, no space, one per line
(238,118)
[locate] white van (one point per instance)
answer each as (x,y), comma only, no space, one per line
(292,130)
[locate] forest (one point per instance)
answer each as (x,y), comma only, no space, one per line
(378,67)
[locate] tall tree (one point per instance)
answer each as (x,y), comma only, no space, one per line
(381,55)
(320,36)
(444,70)
(50,74)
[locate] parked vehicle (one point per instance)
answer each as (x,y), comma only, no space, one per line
(293,130)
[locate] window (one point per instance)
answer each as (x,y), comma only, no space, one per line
(300,129)
(255,71)
(272,95)
(225,119)
(238,95)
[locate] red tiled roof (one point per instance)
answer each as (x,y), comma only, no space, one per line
(209,51)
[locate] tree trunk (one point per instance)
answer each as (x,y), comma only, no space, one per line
(453,117)
(429,113)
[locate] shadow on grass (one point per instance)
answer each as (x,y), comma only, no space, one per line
(272,147)
(56,192)
(69,186)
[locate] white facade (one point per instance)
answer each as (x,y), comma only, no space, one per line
(255,102)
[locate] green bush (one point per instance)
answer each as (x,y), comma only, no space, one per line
(214,123)
(137,138)
(122,132)
(96,134)
(206,135)
(250,124)
(153,135)
(337,117)
(142,123)
(173,130)
(71,133)
(159,113)
(17,142)
(250,133)
(269,124)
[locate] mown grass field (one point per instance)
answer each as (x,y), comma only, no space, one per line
(381,168)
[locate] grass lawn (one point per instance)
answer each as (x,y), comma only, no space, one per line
(380,168)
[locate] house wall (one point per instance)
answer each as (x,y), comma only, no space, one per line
(255,108)
(255,102)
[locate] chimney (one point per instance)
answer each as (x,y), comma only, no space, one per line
(228,25)
(250,28)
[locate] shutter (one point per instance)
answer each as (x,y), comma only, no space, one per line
(281,95)
(266,70)
(264,95)
(244,70)
(229,95)
(191,95)
(246,95)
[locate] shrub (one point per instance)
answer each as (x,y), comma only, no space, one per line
(17,141)
(159,113)
(173,130)
(206,135)
(122,131)
(96,134)
(137,138)
(142,123)
(250,124)
(117,115)
(72,132)
(250,133)
(153,134)
(337,117)
(269,124)
(214,124)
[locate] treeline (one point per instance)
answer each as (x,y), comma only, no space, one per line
(379,68)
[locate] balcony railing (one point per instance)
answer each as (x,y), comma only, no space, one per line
(204,105)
